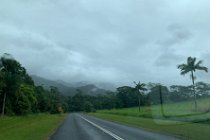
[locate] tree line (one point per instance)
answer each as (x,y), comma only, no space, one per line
(20,96)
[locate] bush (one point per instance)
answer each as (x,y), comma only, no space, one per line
(88,106)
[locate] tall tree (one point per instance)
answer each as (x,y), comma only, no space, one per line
(12,74)
(191,67)
(2,85)
(127,96)
(140,87)
(4,74)
(25,99)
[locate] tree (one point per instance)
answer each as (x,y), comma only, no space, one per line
(12,76)
(18,94)
(127,97)
(191,67)
(157,94)
(202,89)
(25,100)
(140,87)
(43,100)
(55,100)
(78,100)
(9,68)
(88,106)
(180,93)
(2,85)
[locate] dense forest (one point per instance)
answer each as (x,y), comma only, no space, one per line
(20,96)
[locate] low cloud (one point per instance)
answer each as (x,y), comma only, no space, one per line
(119,42)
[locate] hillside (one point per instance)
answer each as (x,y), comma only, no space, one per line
(67,88)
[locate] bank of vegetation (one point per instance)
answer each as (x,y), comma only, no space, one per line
(144,105)
(20,96)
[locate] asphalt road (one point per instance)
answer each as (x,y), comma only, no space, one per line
(82,127)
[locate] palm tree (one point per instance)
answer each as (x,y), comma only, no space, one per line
(140,87)
(191,67)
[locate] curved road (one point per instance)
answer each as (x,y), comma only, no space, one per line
(82,127)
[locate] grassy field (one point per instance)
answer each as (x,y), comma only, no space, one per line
(183,111)
(179,119)
(31,127)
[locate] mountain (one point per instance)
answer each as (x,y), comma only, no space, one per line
(64,83)
(64,89)
(107,86)
(67,88)
(92,90)
(102,85)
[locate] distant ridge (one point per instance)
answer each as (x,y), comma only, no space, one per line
(68,89)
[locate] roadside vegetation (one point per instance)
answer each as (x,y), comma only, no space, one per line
(170,110)
(173,109)
(20,96)
(30,127)
(182,111)
(190,67)
(179,119)
(192,131)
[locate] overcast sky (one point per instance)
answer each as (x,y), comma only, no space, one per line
(117,41)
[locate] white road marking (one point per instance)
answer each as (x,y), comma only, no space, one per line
(104,130)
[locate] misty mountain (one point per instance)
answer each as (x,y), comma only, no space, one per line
(92,90)
(67,88)
(64,83)
(107,86)
(80,84)
(63,88)
(102,85)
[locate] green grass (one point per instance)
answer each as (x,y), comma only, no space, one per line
(183,111)
(31,127)
(194,131)
(179,118)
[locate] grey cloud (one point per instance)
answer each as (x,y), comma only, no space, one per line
(177,34)
(168,59)
(112,41)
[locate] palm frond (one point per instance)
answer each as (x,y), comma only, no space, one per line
(199,63)
(191,66)
(184,68)
(190,60)
(185,72)
(199,67)
(140,86)
(202,68)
